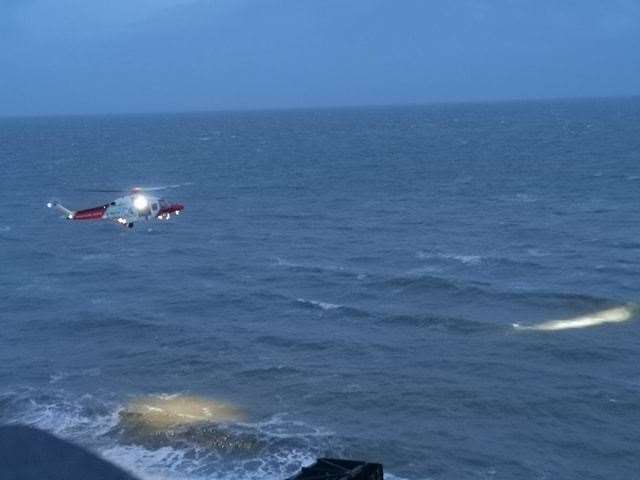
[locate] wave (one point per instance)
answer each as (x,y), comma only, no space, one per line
(612,315)
(321,305)
(464,259)
(269,373)
(83,418)
(482,291)
(529,259)
(312,267)
(327,307)
(91,257)
(292,343)
(63,375)
(417,282)
(449,324)
(525,198)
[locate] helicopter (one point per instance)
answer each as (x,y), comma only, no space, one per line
(127,210)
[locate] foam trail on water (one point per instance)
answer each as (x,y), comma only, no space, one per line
(612,315)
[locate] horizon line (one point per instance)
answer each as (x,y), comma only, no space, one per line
(322,107)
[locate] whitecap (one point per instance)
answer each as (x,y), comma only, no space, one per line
(90,257)
(148,464)
(283,262)
(56,377)
(465,259)
(316,303)
(534,252)
(525,198)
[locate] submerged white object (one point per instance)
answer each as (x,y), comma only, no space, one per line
(612,315)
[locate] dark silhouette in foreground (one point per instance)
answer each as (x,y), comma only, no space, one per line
(27,453)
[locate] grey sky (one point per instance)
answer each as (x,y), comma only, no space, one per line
(72,56)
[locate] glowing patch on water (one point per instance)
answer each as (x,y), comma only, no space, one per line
(161,412)
(612,315)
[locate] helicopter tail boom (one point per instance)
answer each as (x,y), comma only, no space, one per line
(65,211)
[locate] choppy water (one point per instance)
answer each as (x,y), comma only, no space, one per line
(347,279)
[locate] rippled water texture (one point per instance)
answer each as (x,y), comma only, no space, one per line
(451,290)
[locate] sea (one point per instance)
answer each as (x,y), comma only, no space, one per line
(450,289)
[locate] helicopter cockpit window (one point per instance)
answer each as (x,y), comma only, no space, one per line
(154,206)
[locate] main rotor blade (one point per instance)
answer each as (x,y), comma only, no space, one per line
(163,187)
(100,190)
(134,189)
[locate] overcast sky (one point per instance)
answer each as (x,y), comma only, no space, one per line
(89,56)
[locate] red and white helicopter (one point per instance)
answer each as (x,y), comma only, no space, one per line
(137,205)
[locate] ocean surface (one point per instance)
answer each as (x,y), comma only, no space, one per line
(374,283)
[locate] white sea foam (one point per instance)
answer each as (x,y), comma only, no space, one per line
(535,252)
(321,305)
(283,262)
(525,198)
(165,463)
(465,259)
(390,476)
(69,418)
(281,426)
(56,377)
(92,257)
(612,315)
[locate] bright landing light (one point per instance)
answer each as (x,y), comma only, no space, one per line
(140,202)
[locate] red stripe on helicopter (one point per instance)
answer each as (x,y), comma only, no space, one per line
(174,207)
(90,213)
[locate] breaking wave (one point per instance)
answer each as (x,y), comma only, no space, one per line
(423,283)
(316,268)
(321,305)
(447,324)
(333,307)
(464,259)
